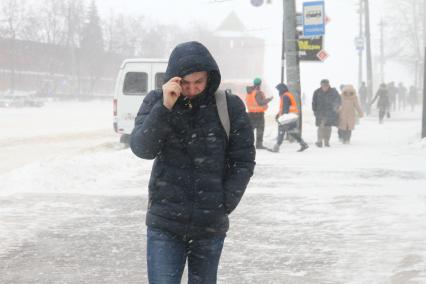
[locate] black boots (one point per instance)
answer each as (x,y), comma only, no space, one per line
(319,144)
(303,147)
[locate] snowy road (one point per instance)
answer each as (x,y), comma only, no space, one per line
(73,211)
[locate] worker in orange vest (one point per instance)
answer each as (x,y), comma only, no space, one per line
(257,104)
(288,118)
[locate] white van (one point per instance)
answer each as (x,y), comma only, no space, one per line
(135,79)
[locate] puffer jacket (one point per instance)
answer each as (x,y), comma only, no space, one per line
(199,175)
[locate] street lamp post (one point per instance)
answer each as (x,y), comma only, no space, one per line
(368,50)
(424,98)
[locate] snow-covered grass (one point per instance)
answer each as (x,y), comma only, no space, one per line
(55,118)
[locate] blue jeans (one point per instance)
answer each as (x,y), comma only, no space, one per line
(167,254)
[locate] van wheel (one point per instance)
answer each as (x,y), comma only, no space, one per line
(125,139)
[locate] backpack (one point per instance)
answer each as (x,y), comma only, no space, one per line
(222,109)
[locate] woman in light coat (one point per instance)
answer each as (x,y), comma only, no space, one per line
(347,113)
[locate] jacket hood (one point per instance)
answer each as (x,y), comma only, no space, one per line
(349,92)
(190,57)
(282,88)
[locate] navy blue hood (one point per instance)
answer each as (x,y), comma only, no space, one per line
(190,57)
(282,88)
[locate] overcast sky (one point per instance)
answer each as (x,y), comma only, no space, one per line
(266,22)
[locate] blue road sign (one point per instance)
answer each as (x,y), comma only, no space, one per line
(313,18)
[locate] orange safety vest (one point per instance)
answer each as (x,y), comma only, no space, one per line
(252,105)
(293,104)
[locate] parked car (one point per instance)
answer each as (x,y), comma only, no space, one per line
(20,100)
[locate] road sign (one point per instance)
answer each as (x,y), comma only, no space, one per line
(322,55)
(309,48)
(313,18)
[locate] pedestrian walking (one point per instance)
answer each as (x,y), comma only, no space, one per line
(363,98)
(392,94)
(348,111)
(412,97)
(325,105)
(402,96)
(383,102)
(288,118)
(201,166)
(257,104)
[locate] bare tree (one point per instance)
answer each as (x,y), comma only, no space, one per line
(53,22)
(12,19)
(404,38)
(92,46)
(73,11)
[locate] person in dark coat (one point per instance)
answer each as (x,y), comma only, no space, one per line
(383,102)
(392,94)
(412,97)
(402,96)
(325,105)
(199,174)
(362,91)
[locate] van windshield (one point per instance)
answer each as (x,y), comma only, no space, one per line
(135,84)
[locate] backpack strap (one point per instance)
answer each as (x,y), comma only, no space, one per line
(222,109)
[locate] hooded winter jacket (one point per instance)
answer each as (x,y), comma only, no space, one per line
(384,101)
(198,176)
(349,109)
(287,101)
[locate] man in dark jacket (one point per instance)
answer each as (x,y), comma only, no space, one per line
(199,174)
(325,104)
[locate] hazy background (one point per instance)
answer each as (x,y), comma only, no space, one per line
(89,40)
(266,22)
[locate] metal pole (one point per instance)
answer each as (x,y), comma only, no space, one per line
(292,52)
(424,29)
(382,52)
(360,51)
(283,47)
(369,59)
(424,98)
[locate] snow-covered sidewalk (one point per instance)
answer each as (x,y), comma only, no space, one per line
(346,214)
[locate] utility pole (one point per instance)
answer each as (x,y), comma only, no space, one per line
(424,29)
(382,52)
(292,52)
(424,97)
(369,60)
(283,47)
(361,38)
(424,22)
